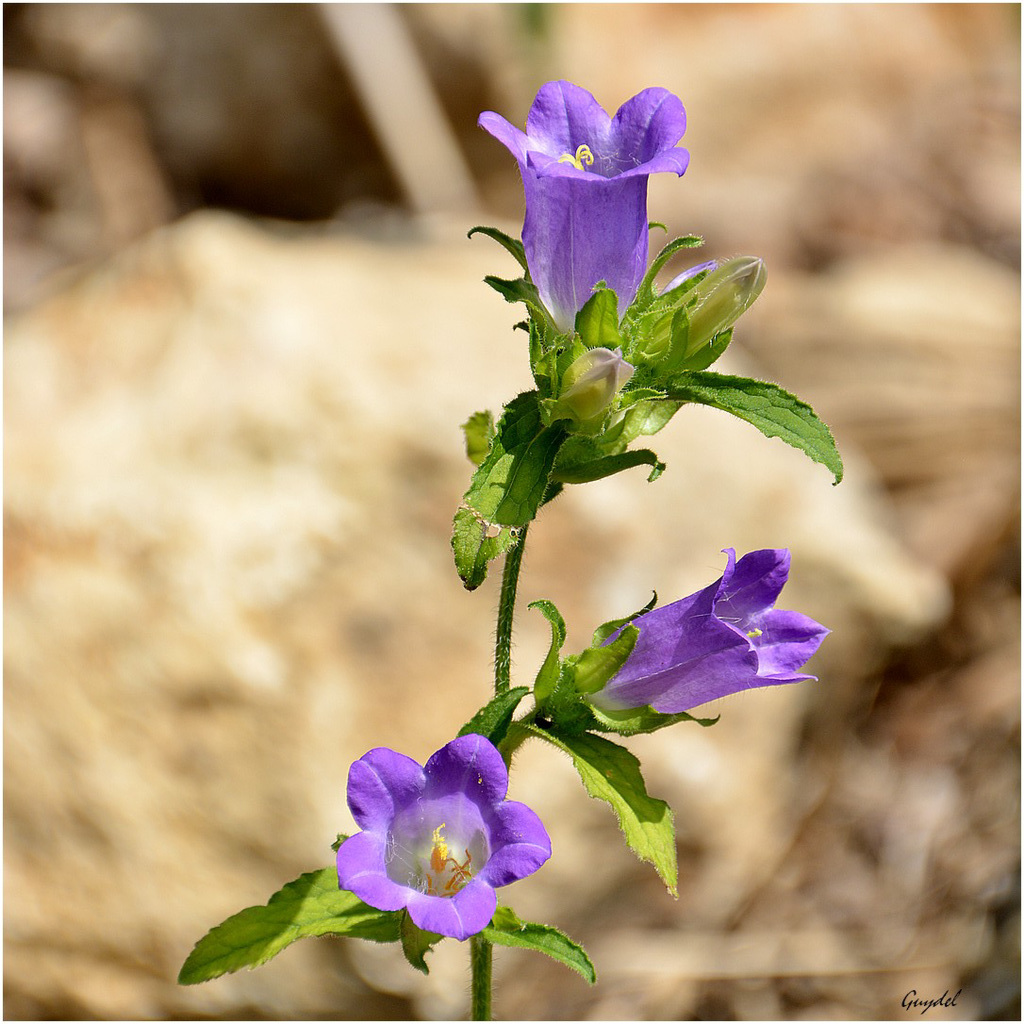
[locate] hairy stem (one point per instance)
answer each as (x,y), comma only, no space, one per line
(506,610)
(480,958)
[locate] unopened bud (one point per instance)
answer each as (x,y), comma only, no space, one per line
(591,383)
(723,296)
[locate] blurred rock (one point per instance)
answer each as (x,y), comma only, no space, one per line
(929,337)
(232,459)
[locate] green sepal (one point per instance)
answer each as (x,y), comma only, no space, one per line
(645,417)
(596,665)
(606,629)
(513,245)
(521,289)
(311,905)
(479,432)
(493,719)
(506,929)
(507,488)
(581,457)
(608,465)
(565,710)
(416,942)
(634,721)
(516,289)
(597,323)
(611,773)
(775,412)
(707,354)
(661,343)
(337,842)
(548,674)
(645,293)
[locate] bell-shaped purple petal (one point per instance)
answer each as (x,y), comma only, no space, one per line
(469,764)
(380,782)
(362,870)
(438,840)
(521,844)
(725,638)
(467,912)
(585,183)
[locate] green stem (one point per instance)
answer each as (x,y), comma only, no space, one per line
(506,610)
(480,957)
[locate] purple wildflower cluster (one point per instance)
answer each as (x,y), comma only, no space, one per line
(438,840)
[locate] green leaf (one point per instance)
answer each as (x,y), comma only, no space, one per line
(416,942)
(634,721)
(596,665)
(547,677)
(611,773)
(479,431)
(506,929)
(475,542)
(775,412)
(311,905)
(493,719)
(507,488)
(598,469)
(513,245)
(598,321)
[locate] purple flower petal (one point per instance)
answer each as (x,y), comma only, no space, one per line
(521,841)
(511,137)
(380,782)
(361,869)
(564,116)
(471,765)
(754,583)
(787,642)
(653,121)
(466,913)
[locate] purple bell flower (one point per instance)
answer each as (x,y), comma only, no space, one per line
(585,179)
(438,840)
(725,638)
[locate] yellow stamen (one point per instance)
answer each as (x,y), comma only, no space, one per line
(583,156)
(754,633)
(439,854)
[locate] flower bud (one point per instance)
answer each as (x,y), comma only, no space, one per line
(723,296)
(591,383)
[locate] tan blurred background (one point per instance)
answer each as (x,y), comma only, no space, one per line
(243,325)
